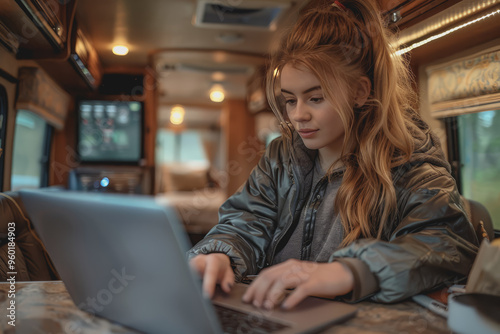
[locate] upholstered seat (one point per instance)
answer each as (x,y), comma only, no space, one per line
(31,261)
(480,219)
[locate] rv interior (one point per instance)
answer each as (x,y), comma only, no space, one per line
(167,98)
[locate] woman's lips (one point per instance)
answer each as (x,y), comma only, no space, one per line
(307,133)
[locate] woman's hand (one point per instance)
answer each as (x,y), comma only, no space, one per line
(308,279)
(214,268)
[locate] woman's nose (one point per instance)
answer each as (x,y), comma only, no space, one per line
(301,113)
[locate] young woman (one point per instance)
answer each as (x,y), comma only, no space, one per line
(355,199)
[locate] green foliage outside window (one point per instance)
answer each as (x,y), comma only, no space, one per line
(479,142)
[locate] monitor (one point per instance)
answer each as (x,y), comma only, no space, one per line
(110,131)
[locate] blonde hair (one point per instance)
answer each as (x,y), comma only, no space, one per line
(339,43)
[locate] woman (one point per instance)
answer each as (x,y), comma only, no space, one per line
(355,199)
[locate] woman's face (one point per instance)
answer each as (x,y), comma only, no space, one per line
(314,118)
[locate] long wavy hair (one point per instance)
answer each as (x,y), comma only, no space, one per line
(339,43)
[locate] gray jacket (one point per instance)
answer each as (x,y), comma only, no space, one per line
(430,241)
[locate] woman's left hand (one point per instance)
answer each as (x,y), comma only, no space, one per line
(306,278)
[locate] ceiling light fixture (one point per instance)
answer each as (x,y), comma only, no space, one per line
(120,50)
(177,115)
(217,93)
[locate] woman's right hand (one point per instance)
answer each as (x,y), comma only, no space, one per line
(214,268)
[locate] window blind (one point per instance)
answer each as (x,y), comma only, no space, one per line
(466,85)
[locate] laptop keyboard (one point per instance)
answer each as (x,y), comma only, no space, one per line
(233,321)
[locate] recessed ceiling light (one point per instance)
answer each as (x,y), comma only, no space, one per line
(177,115)
(217,93)
(120,50)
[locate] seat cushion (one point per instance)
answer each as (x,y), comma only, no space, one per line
(31,259)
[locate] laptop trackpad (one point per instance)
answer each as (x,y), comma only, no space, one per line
(311,314)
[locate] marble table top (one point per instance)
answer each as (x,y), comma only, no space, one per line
(46,307)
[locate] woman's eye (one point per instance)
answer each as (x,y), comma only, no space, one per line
(316,99)
(289,101)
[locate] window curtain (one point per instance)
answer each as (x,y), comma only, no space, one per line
(209,146)
(465,85)
(38,93)
(210,140)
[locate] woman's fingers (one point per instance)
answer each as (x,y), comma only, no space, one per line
(210,278)
(294,298)
(258,289)
(306,278)
(228,280)
(215,269)
(269,289)
(275,295)
(198,264)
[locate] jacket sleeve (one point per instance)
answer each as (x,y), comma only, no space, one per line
(432,243)
(247,220)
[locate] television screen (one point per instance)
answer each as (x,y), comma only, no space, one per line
(110,131)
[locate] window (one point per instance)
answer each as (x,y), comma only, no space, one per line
(479,152)
(181,158)
(30,152)
(181,147)
(3,125)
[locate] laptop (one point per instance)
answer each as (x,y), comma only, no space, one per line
(123,258)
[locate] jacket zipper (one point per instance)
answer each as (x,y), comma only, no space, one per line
(294,217)
(313,204)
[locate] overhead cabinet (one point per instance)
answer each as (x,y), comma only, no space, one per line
(46,31)
(41,27)
(401,14)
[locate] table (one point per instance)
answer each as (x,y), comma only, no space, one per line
(46,307)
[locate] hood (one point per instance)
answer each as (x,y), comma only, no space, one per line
(427,147)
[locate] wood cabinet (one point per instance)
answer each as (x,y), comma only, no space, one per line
(400,14)
(404,13)
(46,31)
(82,71)
(42,27)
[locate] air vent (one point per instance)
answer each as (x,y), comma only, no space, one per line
(242,14)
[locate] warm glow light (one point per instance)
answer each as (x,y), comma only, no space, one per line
(120,50)
(177,115)
(217,94)
(447,32)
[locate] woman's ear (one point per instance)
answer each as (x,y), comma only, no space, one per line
(362,92)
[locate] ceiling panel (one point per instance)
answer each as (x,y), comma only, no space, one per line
(161,35)
(151,25)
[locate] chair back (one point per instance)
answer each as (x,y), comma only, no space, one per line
(19,241)
(480,219)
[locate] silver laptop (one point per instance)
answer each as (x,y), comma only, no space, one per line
(123,258)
